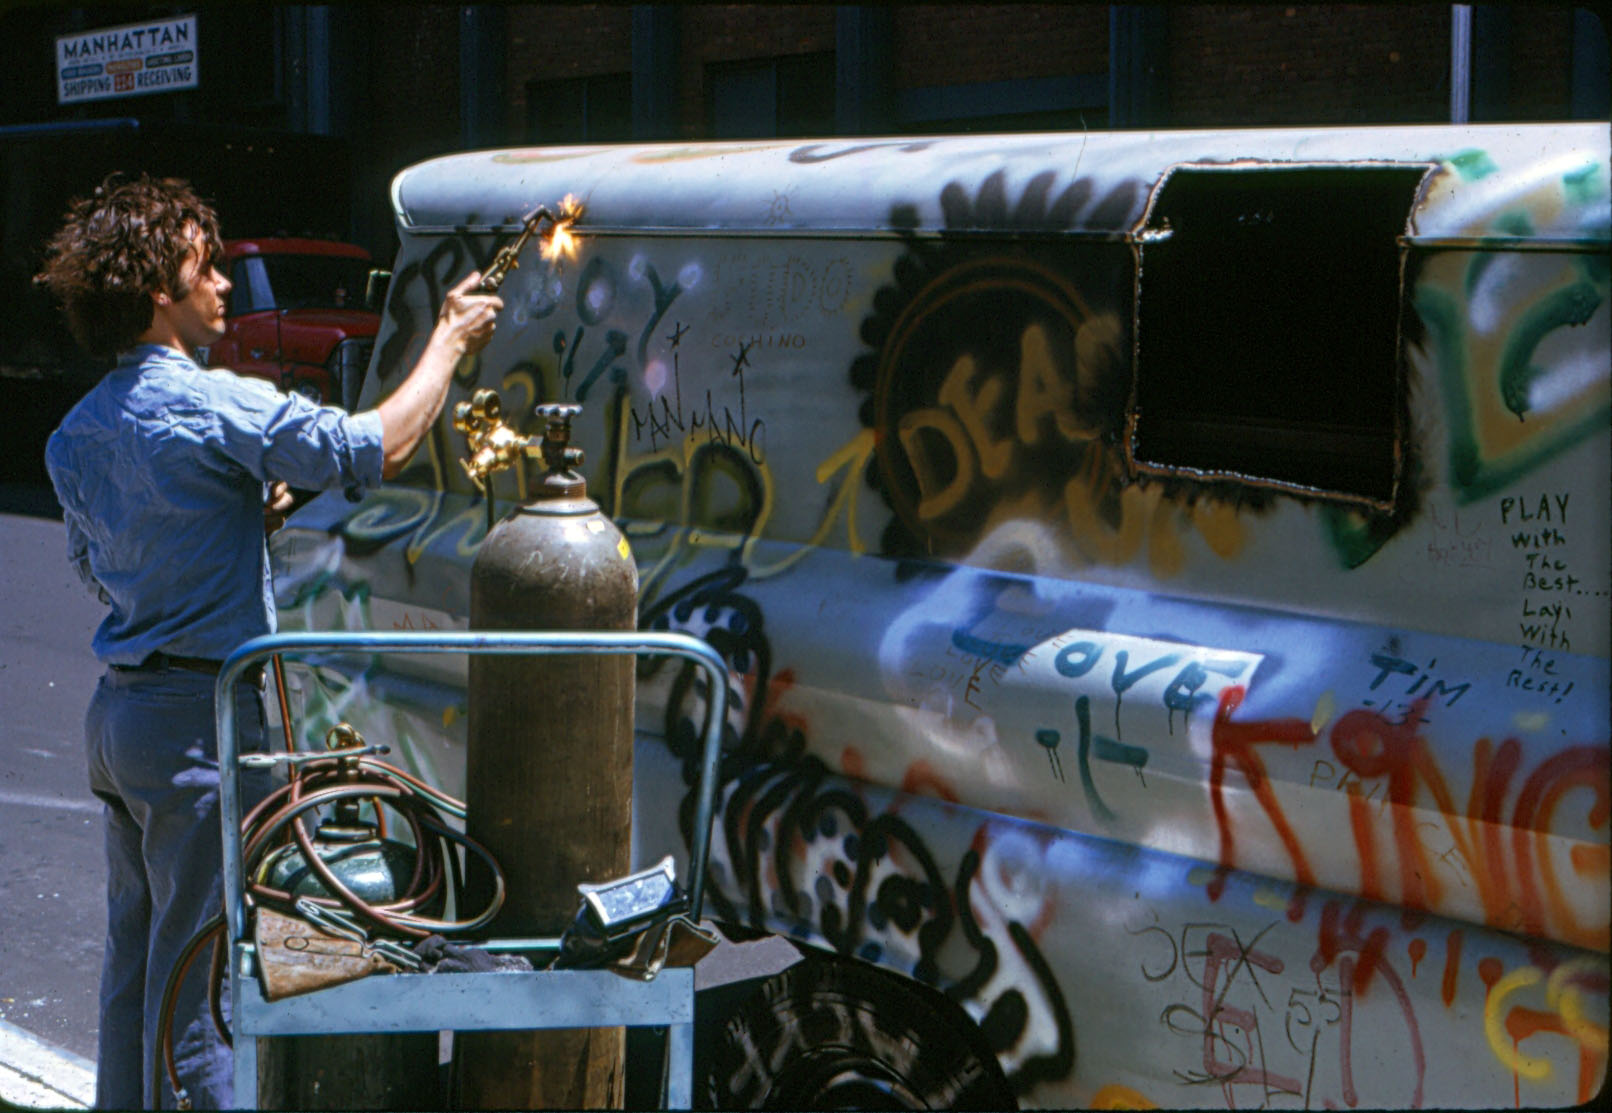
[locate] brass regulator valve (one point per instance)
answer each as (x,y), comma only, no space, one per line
(494,445)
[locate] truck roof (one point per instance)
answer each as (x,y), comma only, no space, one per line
(1073,183)
(292,245)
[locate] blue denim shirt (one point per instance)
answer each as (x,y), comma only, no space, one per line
(162,473)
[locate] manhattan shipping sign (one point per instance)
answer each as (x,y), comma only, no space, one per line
(154,57)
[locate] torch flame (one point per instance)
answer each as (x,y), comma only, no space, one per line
(560,244)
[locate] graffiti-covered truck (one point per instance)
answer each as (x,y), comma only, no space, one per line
(1164,580)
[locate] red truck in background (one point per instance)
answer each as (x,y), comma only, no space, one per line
(301,314)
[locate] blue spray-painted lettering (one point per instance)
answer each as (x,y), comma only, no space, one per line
(1050,740)
(1123,681)
(964,638)
(615,345)
(1106,749)
(1183,694)
(1067,667)
(664,296)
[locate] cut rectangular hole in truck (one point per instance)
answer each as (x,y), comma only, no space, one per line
(1268,326)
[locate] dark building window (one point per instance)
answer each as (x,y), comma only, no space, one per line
(1070,103)
(594,109)
(791,97)
(1268,327)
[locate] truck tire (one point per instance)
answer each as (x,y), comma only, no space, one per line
(832,1033)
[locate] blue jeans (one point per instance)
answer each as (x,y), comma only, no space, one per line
(153,761)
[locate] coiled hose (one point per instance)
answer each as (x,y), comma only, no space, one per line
(316,781)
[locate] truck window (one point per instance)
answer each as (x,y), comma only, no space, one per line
(297,282)
(249,287)
(1268,310)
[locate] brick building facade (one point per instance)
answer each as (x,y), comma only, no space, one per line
(404,82)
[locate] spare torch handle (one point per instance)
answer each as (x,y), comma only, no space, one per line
(298,757)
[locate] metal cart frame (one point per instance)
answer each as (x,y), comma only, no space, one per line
(465,1002)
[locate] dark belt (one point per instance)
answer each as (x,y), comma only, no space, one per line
(253,675)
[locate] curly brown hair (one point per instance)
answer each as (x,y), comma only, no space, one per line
(125,242)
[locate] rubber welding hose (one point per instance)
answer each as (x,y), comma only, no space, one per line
(276,822)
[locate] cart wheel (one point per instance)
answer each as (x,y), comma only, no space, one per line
(831,1033)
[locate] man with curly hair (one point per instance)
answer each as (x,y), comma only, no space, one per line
(166,473)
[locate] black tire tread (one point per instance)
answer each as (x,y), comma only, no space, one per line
(843,1018)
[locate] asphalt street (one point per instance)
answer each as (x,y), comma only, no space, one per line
(52,870)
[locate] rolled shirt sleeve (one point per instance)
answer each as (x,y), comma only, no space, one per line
(276,436)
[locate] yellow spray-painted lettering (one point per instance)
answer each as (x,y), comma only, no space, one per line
(1526,1066)
(974,410)
(1042,390)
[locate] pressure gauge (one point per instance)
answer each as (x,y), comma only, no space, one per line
(627,902)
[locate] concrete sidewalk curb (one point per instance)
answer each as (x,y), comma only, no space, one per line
(35,1074)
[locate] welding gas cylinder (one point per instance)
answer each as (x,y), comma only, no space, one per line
(375,870)
(548,777)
